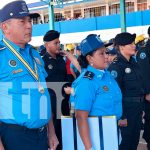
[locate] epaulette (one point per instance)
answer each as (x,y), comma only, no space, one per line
(89,75)
(2,47)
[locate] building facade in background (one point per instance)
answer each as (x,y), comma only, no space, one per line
(85,9)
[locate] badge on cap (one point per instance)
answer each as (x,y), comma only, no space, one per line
(127,70)
(114,73)
(11,14)
(12,63)
(50,66)
(105,88)
(142,55)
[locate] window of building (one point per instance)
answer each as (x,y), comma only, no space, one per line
(58,17)
(67,15)
(142,6)
(129,6)
(77,13)
(95,11)
(46,18)
(114,9)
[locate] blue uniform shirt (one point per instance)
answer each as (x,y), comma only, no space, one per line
(20,101)
(99,95)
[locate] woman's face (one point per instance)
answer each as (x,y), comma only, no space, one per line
(99,59)
(128,50)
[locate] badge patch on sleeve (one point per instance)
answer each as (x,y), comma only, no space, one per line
(143,55)
(12,63)
(114,73)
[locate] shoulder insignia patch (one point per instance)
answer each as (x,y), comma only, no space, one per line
(89,75)
(114,73)
(142,55)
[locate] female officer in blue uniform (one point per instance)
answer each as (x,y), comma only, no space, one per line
(127,74)
(96,93)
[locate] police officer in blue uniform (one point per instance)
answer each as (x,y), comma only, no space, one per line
(127,73)
(96,91)
(25,110)
(143,59)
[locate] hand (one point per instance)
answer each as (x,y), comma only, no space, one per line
(53,142)
(63,53)
(122,123)
(1,145)
(147,97)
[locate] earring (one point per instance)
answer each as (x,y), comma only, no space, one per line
(91,64)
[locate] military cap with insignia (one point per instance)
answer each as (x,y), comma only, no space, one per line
(15,9)
(51,35)
(91,43)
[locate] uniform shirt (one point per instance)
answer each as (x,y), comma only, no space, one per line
(20,101)
(128,76)
(55,68)
(143,59)
(98,93)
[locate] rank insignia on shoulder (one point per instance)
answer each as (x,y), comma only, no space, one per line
(89,75)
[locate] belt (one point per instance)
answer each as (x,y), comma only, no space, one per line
(133,99)
(18,127)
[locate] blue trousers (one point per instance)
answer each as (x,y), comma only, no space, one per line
(23,139)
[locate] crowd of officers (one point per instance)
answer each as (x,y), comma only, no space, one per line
(101,79)
(128,63)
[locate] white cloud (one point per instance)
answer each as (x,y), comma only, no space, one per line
(4,2)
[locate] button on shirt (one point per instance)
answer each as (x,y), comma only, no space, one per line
(128,75)
(100,96)
(21,103)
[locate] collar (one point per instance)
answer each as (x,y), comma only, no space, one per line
(124,59)
(98,73)
(17,48)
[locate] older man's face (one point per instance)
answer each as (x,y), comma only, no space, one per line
(17,30)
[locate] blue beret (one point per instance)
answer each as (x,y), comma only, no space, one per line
(14,9)
(91,43)
(51,35)
(124,38)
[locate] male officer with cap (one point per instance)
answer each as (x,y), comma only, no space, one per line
(143,59)
(25,110)
(127,73)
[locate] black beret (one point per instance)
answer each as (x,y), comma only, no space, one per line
(124,38)
(148,31)
(51,35)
